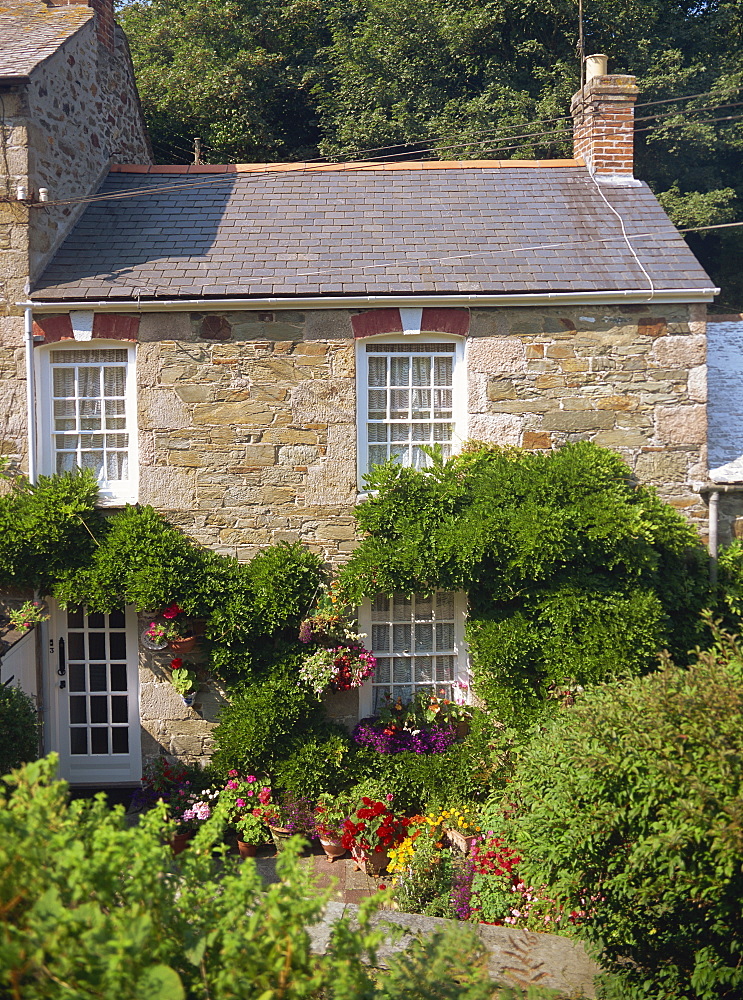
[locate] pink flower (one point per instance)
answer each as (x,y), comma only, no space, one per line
(389,796)
(240,803)
(251,792)
(250,778)
(233,774)
(232,785)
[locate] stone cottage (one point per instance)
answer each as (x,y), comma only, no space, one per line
(235,345)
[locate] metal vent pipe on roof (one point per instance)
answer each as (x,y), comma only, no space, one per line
(596,65)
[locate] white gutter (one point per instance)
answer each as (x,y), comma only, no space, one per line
(28,336)
(641,297)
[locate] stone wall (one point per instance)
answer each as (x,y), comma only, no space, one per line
(247,420)
(61,130)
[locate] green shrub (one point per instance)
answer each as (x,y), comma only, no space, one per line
(630,808)
(48,529)
(90,907)
(19,728)
(572,570)
(316,763)
(264,720)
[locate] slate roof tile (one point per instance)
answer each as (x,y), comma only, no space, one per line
(474,228)
(30,32)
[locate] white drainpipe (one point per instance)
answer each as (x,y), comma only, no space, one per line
(714,503)
(28,334)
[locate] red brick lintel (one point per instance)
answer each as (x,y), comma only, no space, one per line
(106,326)
(374,322)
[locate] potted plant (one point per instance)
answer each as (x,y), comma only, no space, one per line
(240,799)
(331,812)
(338,668)
(371,831)
(189,812)
(184,681)
(29,614)
(155,636)
(285,816)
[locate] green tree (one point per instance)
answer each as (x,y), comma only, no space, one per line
(236,73)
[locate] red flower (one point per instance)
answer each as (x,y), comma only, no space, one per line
(172,612)
(176,664)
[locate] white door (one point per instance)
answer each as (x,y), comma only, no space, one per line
(93,696)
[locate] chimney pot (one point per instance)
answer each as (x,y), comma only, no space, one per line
(596,65)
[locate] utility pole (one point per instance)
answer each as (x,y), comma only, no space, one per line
(197,151)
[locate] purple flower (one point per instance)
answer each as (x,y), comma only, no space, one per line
(434,739)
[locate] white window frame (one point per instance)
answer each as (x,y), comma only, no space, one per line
(111,493)
(461,653)
(459,390)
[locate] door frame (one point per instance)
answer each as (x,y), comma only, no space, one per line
(105,770)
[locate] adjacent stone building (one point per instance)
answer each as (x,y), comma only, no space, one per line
(255,336)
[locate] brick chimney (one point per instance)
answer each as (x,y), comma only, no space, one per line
(603,120)
(104,17)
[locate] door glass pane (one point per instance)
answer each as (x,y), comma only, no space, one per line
(97,620)
(117,645)
(99,739)
(78,741)
(77,676)
(120,740)
(118,676)
(116,619)
(99,709)
(78,710)
(97,673)
(76,645)
(97,646)
(119,708)
(75,618)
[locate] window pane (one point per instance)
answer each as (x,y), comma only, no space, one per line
(444,636)
(377,371)
(63,382)
(97,646)
(78,741)
(116,619)
(401,638)
(120,740)
(402,670)
(77,676)
(89,382)
(99,708)
(97,673)
(119,709)
(423,638)
(76,645)
(399,371)
(117,645)
(445,605)
(78,709)
(423,670)
(401,607)
(380,608)
(381,638)
(96,620)
(75,618)
(442,371)
(118,676)
(99,740)
(114,381)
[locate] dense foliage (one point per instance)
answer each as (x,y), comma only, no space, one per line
(92,907)
(47,529)
(573,571)
(449,79)
(629,808)
(19,728)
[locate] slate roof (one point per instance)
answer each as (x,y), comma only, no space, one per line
(30,32)
(405,228)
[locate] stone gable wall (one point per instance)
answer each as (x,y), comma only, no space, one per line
(61,130)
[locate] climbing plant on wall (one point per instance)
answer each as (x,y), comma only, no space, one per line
(574,572)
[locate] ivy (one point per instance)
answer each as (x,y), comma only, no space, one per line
(573,570)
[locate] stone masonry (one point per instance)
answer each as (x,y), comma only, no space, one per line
(247,430)
(61,128)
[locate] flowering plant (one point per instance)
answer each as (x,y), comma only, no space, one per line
(424,709)
(340,668)
(288,812)
(241,800)
(192,809)
(375,827)
(331,812)
(29,614)
(389,739)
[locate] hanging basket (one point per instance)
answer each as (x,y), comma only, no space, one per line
(148,643)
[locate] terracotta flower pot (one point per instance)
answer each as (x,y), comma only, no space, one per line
(333,848)
(180,841)
(182,645)
(376,862)
(246,850)
(359,856)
